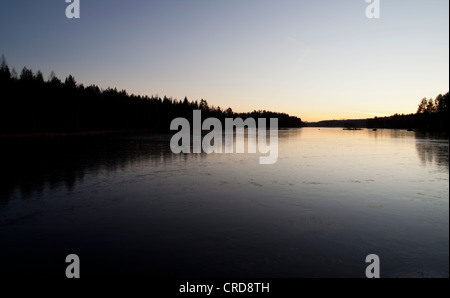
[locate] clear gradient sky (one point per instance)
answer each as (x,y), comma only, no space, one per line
(316,59)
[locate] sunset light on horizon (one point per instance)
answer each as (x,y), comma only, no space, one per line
(316,60)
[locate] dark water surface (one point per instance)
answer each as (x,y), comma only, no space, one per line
(129,207)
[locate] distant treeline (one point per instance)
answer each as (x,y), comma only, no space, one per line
(358,123)
(31,104)
(431,115)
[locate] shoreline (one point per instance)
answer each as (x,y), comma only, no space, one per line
(42,135)
(79,133)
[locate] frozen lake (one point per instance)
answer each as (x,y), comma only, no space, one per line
(129,207)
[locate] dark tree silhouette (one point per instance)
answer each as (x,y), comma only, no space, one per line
(422,106)
(431,115)
(5,74)
(30,104)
